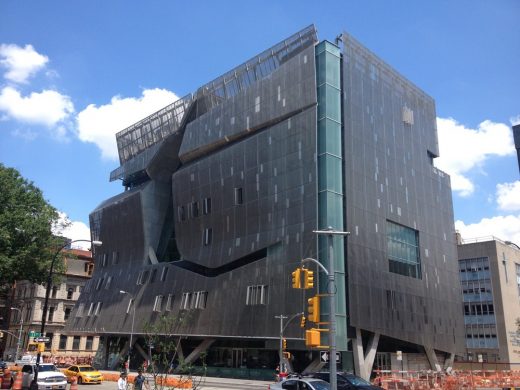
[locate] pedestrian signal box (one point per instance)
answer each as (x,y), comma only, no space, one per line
(312,338)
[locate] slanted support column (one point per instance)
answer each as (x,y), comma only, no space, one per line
(203,346)
(370,353)
(364,361)
(359,356)
(448,363)
(314,366)
(432,358)
(180,352)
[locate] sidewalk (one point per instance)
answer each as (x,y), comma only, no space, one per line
(211,383)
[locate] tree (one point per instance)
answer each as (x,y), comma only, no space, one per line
(27,243)
(163,350)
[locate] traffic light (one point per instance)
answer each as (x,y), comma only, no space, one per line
(312,338)
(308,278)
(297,278)
(314,308)
(284,344)
(41,347)
(287,355)
(303,321)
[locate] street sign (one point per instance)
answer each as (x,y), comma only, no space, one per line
(42,339)
(324,356)
(32,333)
(399,355)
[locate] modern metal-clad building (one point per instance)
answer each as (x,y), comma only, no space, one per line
(224,188)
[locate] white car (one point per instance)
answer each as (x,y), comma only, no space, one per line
(49,377)
(300,384)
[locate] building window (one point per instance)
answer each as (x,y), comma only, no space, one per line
(54,291)
(48,344)
(75,342)
(63,342)
(208,236)
(50,314)
(257,295)
(66,313)
(169,303)
(104,260)
(107,284)
(157,306)
(89,268)
(185,301)
(206,206)
(115,257)
(130,303)
(28,314)
(99,283)
(239,196)
(90,309)
(70,291)
(143,277)
(89,343)
(164,273)
(199,301)
(98,308)
(403,250)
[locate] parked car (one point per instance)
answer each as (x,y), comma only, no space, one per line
(49,377)
(347,381)
(300,384)
(84,373)
(3,365)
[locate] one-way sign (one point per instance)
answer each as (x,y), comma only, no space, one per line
(42,339)
(324,356)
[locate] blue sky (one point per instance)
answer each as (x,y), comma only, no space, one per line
(73,73)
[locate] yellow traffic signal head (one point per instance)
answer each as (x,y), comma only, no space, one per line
(284,344)
(308,278)
(314,308)
(297,278)
(312,338)
(303,321)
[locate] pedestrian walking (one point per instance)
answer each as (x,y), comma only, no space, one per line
(122,382)
(140,382)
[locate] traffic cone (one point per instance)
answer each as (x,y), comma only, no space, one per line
(6,382)
(17,385)
(74,383)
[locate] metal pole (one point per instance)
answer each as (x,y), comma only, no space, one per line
(280,346)
(34,383)
(332,319)
(131,335)
(330,232)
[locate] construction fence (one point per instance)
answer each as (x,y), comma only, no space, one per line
(453,380)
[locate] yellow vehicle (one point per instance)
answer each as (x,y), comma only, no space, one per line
(84,373)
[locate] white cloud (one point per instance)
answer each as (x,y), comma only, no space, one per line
(99,124)
(463,149)
(76,230)
(515,120)
(45,108)
(506,228)
(508,196)
(21,62)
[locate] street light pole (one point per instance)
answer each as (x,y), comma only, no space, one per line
(19,332)
(282,328)
(332,311)
(132,329)
(34,383)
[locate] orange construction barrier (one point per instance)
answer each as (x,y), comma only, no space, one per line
(74,383)
(6,382)
(17,385)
